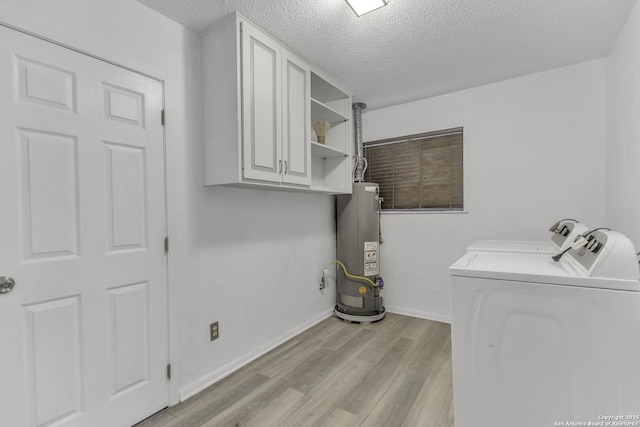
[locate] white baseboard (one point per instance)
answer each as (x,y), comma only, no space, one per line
(438,317)
(200,384)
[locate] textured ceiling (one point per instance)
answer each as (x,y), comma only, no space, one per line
(413,49)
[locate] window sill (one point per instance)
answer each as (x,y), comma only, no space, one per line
(423,211)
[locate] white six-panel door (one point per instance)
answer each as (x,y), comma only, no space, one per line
(83,335)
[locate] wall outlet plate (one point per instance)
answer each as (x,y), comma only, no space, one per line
(214,331)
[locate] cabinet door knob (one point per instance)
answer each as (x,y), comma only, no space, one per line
(280,167)
(286,168)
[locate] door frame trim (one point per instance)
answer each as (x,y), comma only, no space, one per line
(82,52)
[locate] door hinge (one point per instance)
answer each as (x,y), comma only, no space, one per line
(169,371)
(166,245)
(162,119)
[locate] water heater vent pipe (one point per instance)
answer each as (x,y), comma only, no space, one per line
(360,162)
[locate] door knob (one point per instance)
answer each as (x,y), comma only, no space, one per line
(6,284)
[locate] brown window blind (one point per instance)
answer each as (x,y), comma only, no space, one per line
(418,171)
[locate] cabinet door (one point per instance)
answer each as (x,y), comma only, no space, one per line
(295,119)
(262,105)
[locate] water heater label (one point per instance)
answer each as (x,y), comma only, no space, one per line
(371,258)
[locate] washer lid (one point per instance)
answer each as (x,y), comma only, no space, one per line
(524,246)
(534,268)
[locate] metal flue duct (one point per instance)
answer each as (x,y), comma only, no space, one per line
(360,162)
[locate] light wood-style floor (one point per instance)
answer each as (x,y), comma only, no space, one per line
(393,373)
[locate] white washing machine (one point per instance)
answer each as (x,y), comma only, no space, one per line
(563,233)
(540,343)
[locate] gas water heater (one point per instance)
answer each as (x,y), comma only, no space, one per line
(359,283)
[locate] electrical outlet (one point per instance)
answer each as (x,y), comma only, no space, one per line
(214,331)
(323,280)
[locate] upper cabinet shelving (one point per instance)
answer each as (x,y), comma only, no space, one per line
(326,92)
(260,105)
(324,151)
(322,111)
(331,161)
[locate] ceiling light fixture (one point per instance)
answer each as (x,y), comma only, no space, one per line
(360,7)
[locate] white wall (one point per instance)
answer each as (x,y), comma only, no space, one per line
(250,259)
(534,152)
(623,130)
(254,260)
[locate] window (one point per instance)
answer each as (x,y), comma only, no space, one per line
(418,172)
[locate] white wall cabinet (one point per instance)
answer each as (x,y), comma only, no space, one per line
(262,106)
(295,116)
(260,102)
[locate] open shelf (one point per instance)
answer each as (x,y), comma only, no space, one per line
(324,91)
(324,151)
(321,111)
(329,190)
